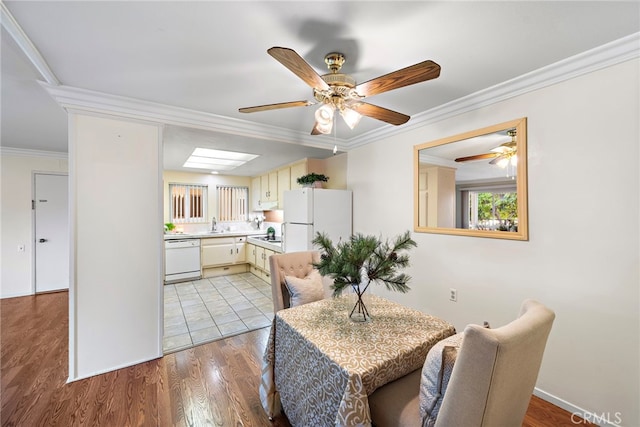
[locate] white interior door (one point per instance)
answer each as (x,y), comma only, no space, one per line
(51,232)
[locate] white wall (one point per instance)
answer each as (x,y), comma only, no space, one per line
(115,297)
(16,213)
(583,253)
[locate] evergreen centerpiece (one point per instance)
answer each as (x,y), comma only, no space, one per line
(361,260)
(311,178)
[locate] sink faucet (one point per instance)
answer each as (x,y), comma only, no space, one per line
(213,224)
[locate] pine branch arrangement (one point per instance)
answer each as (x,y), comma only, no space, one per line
(363,260)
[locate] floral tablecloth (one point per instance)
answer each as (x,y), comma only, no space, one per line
(320,367)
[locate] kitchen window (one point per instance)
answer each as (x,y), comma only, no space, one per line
(233,203)
(188,203)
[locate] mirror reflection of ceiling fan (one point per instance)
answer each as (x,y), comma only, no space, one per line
(339,92)
(502,155)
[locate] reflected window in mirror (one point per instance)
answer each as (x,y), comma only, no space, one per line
(474,183)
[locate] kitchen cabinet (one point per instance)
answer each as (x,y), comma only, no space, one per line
(269,187)
(251,254)
(260,255)
(284,184)
(255,193)
(273,186)
(240,255)
(297,170)
(262,263)
(220,251)
(260,260)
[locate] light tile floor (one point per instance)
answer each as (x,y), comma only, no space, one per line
(208,309)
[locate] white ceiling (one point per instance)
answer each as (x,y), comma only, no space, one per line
(210,57)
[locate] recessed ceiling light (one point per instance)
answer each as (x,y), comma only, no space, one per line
(206,158)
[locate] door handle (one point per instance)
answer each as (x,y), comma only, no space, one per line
(42,240)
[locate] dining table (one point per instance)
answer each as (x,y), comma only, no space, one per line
(319,366)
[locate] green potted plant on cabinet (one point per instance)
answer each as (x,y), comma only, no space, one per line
(312,179)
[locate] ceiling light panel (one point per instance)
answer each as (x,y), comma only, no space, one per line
(220,154)
(206,158)
(196,165)
(212,161)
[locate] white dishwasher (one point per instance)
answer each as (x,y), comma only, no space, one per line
(181,260)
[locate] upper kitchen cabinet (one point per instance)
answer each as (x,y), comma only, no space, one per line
(255,193)
(267,191)
(264,191)
(272,188)
(284,184)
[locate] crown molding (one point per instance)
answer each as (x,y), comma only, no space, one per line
(23,41)
(76,99)
(607,55)
(23,152)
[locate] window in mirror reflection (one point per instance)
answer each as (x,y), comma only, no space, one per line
(491,210)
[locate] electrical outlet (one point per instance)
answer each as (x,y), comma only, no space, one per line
(453,294)
(20,248)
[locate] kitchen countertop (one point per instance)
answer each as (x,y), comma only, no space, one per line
(207,234)
(274,246)
(249,234)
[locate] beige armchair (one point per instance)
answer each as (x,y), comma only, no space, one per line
(298,264)
(492,379)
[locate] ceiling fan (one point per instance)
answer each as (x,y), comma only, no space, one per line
(502,155)
(338,92)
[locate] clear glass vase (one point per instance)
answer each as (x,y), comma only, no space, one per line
(359,313)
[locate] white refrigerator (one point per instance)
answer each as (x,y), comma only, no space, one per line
(311,210)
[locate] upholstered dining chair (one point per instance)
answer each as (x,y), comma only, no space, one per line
(285,269)
(490,384)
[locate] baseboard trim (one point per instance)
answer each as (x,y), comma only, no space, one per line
(611,419)
(7,296)
(73,378)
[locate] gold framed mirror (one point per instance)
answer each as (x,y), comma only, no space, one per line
(474,183)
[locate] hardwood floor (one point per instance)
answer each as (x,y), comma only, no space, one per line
(212,384)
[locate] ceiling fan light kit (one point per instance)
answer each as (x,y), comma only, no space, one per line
(338,91)
(324,119)
(351,117)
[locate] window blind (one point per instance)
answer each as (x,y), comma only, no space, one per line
(188,203)
(232,203)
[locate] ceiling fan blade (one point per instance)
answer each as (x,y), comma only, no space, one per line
(296,64)
(380,113)
(315,130)
(275,106)
(477,157)
(417,73)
